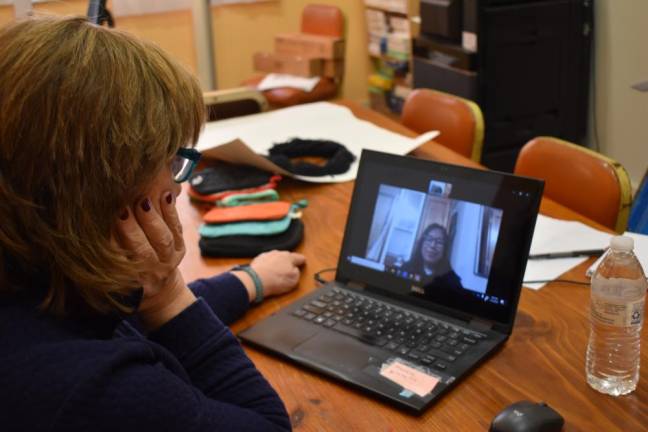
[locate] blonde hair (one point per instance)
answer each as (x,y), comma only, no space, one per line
(88,117)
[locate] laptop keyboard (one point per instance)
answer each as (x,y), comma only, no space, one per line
(418,338)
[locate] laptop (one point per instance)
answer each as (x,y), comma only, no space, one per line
(427,283)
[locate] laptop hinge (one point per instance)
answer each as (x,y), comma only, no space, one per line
(480,324)
(356,285)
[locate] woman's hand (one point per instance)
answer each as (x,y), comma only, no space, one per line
(153,236)
(278,271)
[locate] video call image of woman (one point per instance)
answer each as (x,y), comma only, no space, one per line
(436,242)
(431,262)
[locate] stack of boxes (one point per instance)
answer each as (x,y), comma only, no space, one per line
(399,6)
(303,55)
(390,42)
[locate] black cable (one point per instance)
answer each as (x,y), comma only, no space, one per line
(319,279)
(556,280)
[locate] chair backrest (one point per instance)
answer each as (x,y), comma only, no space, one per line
(322,20)
(578,178)
(235,102)
(460,121)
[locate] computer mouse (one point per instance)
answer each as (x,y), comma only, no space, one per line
(525,416)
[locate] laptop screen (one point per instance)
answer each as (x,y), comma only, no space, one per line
(438,234)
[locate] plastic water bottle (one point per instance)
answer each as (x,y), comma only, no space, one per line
(616,316)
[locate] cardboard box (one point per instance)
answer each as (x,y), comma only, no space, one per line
(333,69)
(311,46)
(287,64)
(399,6)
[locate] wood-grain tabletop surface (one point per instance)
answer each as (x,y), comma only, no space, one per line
(544,360)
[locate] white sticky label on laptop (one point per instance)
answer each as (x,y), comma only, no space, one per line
(409,378)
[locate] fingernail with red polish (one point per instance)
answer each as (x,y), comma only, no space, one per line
(124,215)
(146,205)
(169,198)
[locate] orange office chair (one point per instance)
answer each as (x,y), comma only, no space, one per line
(460,121)
(322,20)
(583,180)
(235,102)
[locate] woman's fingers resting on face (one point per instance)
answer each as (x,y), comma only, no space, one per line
(278,271)
(153,236)
(154,240)
(157,231)
(170,215)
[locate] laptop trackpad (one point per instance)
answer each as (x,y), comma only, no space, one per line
(335,350)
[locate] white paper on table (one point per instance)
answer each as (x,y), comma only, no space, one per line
(320,120)
(640,250)
(548,269)
(555,235)
(273,81)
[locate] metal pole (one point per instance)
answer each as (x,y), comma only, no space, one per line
(203,41)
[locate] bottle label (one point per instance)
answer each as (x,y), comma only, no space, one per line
(617,313)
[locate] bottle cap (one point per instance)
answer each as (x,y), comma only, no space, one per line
(622,243)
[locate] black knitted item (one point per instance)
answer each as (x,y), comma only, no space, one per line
(339,158)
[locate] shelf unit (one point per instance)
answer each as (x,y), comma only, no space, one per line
(391,27)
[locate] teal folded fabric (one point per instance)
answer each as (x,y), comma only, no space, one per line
(245,228)
(253,228)
(242,199)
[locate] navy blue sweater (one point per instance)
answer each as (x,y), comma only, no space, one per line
(189,375)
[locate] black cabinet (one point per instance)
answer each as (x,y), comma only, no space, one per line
(527,66)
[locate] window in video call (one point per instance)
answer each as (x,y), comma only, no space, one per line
(432,240)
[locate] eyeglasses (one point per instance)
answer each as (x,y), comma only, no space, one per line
(183,163)
(431,241)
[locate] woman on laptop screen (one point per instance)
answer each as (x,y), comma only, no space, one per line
(430,261)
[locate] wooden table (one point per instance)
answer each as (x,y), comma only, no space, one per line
(544,360)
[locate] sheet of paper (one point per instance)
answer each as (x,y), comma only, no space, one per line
(320,120)
(273,81)
(409,378)
(548,269)
(237,152)
(640,250)
(555,235)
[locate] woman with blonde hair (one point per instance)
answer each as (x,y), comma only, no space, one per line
(98,329)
